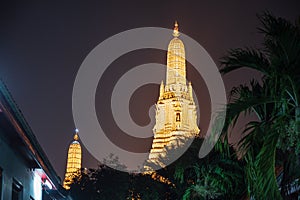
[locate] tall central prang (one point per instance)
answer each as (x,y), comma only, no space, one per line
(176,114)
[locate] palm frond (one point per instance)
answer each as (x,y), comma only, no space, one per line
(249,58)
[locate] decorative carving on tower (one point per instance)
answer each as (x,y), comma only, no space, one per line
(73,161)
(176,113)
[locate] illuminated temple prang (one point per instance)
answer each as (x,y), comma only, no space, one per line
(176,113)
(73,161)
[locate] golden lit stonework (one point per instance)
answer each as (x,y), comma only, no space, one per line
(73,162)
(176,113)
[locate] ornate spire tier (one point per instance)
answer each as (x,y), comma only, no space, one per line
(176,73)
(74,161)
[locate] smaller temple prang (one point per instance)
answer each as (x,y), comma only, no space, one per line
(73,161)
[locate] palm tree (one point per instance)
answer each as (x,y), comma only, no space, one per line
(217,176)
(274,101)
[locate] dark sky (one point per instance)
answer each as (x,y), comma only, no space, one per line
(42,45)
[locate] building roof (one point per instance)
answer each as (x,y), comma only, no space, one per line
(23,139)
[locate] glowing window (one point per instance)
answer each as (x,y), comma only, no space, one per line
(178,117)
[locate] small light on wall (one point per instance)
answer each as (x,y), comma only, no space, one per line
(48,184)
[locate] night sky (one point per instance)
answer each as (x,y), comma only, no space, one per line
(42,45)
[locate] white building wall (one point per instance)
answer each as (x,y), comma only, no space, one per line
(14,167)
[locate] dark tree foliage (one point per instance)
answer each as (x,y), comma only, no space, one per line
(101,183)
(217,176)
(274,138)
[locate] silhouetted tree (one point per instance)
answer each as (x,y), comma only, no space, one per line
(275,102)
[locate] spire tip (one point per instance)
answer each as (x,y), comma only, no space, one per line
(76,137)
(176,29)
